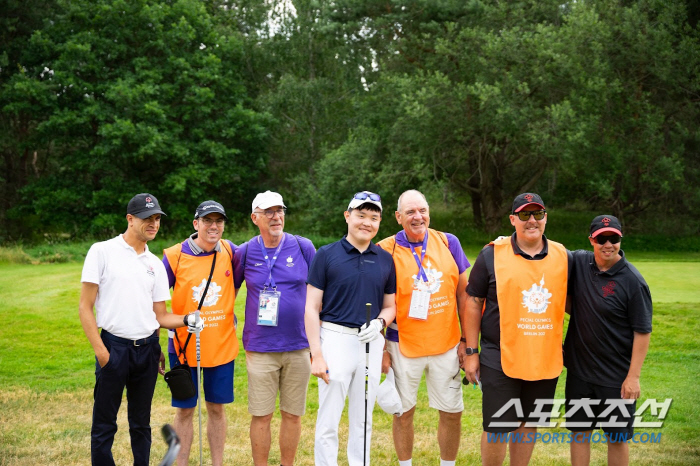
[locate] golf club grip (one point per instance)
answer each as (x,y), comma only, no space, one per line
(196,317)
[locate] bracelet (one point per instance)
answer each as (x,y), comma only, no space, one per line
(463,340)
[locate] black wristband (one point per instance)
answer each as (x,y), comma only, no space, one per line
(185,320)
(463,340)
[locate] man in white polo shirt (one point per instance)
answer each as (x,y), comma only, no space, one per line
(127,286)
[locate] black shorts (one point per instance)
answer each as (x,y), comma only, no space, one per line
(501,390)
(619,418)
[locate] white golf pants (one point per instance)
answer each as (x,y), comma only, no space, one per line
(346,360)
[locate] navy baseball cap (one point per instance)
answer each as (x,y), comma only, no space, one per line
(208,207)
(605,223)
(525,199)
(143,206)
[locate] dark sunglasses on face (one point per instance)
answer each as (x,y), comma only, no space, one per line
(614,239)
(362,196)
(524,215)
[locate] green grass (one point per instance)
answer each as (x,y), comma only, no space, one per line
(47,376)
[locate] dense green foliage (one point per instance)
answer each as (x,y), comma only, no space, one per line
(124,97)
(594,104)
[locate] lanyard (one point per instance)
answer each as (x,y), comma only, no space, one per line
(270,263)
(421,271)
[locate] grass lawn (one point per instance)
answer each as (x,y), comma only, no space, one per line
(47,366)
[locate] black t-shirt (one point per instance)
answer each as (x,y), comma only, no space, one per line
(482,284)
(350,279)
(607,308)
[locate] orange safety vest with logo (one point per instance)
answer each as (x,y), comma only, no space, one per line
(441,331)
(218,341)
(531,302)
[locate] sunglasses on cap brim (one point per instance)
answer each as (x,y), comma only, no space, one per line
(371,196)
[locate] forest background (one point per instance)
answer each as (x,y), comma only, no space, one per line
(593,104)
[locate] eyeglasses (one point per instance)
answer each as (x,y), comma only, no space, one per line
(208,221)
(614,239)
(271,213)
(524,215)
(372,197)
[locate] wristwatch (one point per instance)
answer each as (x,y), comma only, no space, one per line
(470,351)
(381,319)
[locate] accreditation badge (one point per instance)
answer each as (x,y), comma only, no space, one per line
(420,300)
(268,308)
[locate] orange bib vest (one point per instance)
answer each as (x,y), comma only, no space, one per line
(531,301)
(441,331)
(218,341)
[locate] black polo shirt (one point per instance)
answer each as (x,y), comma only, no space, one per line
(350,279)
(606,309)
(482,284)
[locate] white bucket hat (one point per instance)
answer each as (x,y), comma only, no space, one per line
(388,397)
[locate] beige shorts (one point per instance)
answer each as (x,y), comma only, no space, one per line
(442,376)
(286,372)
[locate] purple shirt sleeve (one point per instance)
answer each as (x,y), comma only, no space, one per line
(233,248)
(457,252)
(308,249)
(238,263)
(169,271)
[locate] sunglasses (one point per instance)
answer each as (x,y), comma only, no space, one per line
(524,215)
(372,197)
(614,239)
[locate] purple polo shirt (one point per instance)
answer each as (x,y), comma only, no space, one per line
(456,250)
(289,272)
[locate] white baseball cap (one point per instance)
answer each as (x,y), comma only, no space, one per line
(388,397)
(266,200)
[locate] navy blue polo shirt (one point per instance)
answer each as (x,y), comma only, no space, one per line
(606,309)
(351,279)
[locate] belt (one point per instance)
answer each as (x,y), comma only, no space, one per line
(339,328)
(142,341)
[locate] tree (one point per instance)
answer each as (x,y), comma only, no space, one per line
(497,98)
(22,102)
(142,96)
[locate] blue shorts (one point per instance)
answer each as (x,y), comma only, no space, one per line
(218,384)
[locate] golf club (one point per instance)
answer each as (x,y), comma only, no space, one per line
(173,442)
(199,387)
(364,450)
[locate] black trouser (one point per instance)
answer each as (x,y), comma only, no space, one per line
(136,368)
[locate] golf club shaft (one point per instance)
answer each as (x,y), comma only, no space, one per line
(199,390)
(364,449)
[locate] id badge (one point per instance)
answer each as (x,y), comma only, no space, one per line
(420,300)
(268,308)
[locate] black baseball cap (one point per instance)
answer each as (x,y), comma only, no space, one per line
(143,206)
(208,207)
(525,199)
(605,223)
